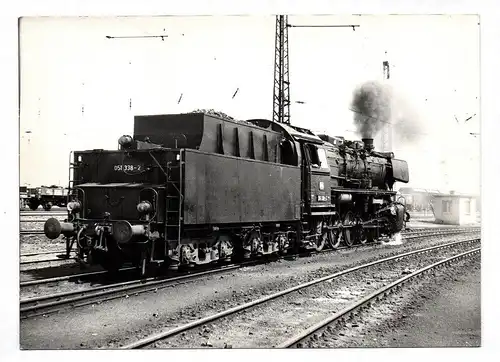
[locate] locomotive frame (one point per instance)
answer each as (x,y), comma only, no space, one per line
(193,189)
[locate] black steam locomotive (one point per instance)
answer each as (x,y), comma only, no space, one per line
(190,189)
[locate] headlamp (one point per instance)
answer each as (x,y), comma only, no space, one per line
(125,141)
(144,207)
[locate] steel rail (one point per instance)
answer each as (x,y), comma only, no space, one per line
(437,233)
(43,253)
(59,279)
(67,277)
(26,262)
(169,333)
(355,247)
(42,213)
(441,230)
(31,232)
(299,339)
(38,220)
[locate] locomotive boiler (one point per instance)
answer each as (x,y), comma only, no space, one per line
(191,189)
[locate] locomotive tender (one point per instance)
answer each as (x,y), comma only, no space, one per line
(190,189)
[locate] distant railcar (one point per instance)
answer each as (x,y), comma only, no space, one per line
(418,199)
(46,196)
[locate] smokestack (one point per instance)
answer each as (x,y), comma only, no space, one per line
(368,144)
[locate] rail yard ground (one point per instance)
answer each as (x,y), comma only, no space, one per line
(121,321)
(444,311)
(450,307)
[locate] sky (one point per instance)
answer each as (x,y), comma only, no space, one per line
(68,64)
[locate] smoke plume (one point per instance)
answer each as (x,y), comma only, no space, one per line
(375,105)
(371,105)
(406,123)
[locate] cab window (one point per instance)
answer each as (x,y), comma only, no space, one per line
(287,153)
(317,156)
(323,161)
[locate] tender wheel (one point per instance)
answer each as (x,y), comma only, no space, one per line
(253,245)
(47,206)
(225,246)
(110,260)
(349,231)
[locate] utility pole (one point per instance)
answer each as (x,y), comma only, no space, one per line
(281,92)
(386,134)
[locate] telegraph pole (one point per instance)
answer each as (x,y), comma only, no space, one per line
(281,92)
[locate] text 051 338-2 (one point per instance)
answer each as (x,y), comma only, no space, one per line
(128,168)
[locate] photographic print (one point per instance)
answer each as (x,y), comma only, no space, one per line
(263,181)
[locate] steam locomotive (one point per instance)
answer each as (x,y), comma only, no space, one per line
(191,189)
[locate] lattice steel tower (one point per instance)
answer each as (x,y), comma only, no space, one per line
(386,134)
(281,93)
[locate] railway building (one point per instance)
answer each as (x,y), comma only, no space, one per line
(455,209)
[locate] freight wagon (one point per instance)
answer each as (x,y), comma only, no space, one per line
(46,196)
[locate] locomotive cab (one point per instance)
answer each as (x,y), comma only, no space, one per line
(316,177)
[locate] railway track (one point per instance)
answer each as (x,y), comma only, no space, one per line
(309,335)
(407,236)
(41,220)
(68,277)
(421,231)
(31,232)
(189,327)
(61,251)
(43,213)
(54,302)
(30,307)
(40,261)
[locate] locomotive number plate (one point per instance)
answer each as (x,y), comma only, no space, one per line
(128,168)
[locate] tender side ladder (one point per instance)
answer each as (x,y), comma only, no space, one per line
(174,202)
